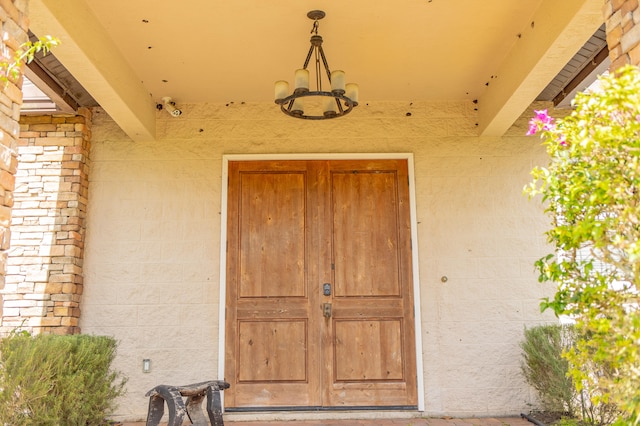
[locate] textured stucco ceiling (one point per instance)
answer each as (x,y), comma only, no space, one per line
(129,54)
(215,51)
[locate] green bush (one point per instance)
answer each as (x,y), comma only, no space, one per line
(545,369)
(57,380)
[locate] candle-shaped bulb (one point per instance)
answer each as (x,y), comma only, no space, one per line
(282,89)
(298,107)
(337,81)
(330,107)
(352,92)
(302,79)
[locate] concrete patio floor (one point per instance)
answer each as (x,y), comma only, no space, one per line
(507,421)
(494,421)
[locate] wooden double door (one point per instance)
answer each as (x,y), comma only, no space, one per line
(319,309)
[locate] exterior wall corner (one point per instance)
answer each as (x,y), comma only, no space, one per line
(622,21)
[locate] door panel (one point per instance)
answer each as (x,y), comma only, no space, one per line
(273,351)
(368,351)
(365,235)
(272,235)
(295,227)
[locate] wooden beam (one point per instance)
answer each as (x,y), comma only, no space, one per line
(557,30)
(87,51)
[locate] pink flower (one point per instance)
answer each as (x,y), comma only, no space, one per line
(542,121)
(533,127)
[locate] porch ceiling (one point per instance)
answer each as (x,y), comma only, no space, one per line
(129,54)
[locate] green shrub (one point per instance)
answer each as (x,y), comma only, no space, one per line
(57,380)
(545,369)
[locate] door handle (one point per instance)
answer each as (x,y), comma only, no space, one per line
(326,310)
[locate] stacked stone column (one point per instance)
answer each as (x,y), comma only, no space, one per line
(44,269)
(13,28)
(622,19)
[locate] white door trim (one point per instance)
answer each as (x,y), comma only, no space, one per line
(349,156)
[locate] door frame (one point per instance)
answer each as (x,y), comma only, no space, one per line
(335,156)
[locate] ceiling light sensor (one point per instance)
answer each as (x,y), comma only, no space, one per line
(170,106)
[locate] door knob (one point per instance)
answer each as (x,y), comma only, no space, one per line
(326,310)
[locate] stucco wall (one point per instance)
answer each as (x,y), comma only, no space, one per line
(152,255)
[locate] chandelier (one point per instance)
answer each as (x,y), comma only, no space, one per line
(319,104)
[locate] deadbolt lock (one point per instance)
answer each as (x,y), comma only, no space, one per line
(326,289)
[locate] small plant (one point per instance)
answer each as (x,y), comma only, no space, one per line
(545,369)
(56,380)
(10,69)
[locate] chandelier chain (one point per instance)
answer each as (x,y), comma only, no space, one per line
(318,71)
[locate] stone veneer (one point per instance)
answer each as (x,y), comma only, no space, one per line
(622,18)
(14,24)
(44,268)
